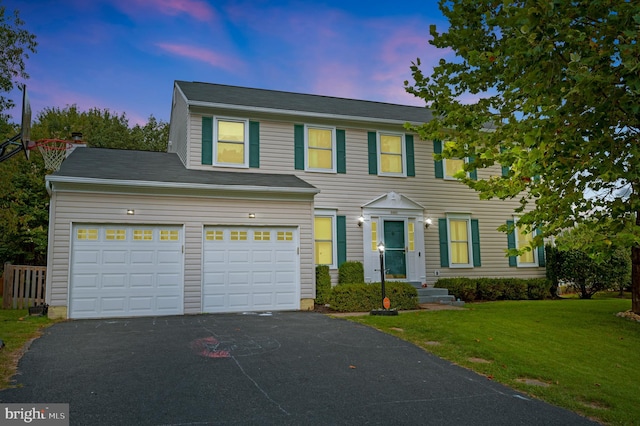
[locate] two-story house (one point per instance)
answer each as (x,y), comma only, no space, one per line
(256,189)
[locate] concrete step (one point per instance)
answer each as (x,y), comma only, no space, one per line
(436,299)
(432,291)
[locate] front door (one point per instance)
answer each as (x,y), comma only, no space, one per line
(395,252)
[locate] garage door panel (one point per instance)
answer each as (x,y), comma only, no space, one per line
(241,275)
(114,257)
(142,257)
(141,280)
(128,271)
(113,281)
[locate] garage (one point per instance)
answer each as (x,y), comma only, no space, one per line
(250,269)
(126,270)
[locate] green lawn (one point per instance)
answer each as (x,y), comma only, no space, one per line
(16,329)
(588,357)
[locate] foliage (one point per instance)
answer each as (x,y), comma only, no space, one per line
(351,272)
(361,297)
(24,202)
(552,267)
(540,340)
(323,284)
(589,261)
(15,45)
(558,84)
(489,289)
(100,129)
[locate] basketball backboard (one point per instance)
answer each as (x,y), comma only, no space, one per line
(25,125)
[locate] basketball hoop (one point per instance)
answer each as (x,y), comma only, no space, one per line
(53,151)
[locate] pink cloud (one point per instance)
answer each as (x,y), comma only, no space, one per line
(225,62)
(196,9)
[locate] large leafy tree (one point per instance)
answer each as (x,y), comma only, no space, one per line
(15,45)
(555,89)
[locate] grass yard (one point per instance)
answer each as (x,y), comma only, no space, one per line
(585,358)
(16,329)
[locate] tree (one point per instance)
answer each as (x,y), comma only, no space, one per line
(15,45)
(557,85)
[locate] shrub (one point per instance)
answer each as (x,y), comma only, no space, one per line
(351,272)
(460,288)
(470,289)
(361,297)
(323,284)
(538,288)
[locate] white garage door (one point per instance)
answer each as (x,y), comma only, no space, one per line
(125,270)
(250,268)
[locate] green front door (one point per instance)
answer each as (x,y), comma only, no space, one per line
(394,254)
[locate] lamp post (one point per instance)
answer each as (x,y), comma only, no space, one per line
(382,272)
(385,301)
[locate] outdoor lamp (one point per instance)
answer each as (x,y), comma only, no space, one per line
(427,222)
(360,220)
(381,247)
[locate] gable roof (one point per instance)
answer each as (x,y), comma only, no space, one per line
(162,169)
(211,95)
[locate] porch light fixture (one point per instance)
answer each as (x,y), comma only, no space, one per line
(381,247)
(360,220)
(131,212)
(252,215)
(428,222)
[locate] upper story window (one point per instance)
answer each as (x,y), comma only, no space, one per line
(320,146)
(392,154)
(230,143)
(447,168)
(452,166)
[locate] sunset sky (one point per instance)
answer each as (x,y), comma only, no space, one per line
(124,55)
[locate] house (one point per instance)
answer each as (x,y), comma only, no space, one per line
(256,189)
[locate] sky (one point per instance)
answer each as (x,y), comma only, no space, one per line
(124,55)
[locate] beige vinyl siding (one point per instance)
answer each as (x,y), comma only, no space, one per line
(178,126)
(191,212)
(347,192)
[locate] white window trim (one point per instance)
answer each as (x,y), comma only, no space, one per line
(334,234)
(245,164)
(467,218)
(444,168)
(403,145)
(334,147)
(519,264)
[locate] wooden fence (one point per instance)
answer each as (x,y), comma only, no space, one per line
(23,286)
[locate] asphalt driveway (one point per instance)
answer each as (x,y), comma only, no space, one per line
(286,368)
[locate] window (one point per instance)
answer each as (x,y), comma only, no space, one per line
(447,168)
(115,235)
(524,238)
(452,166)
(374,234)
(230,140)
(214,235)
(320,143)
(324,231)
(392,153)
(238,235)
(168,235)
(412,236)
(285,236)
(459,241)
(261,236)
(142,235)
(90,234)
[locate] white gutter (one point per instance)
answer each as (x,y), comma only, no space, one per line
(176,185)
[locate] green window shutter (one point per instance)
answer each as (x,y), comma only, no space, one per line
(254,144)
(444,243)
(511,243)
(298,146)
(411,161)
(541,259)
(475,242)
(341,151)
(207,140)
(473,174)
(372,138)
(341,231)
(437,149)
(505,171)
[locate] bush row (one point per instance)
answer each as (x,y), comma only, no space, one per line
(470,289)
(362,297)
